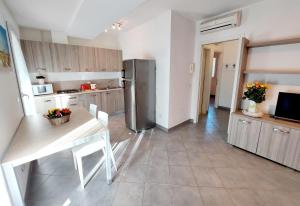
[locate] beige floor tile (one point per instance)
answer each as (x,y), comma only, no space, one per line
(233,178)
(178,158)
(129,194)
(279,198)
(194,147)
(186,196)
(220,160)
(158,157)
(157,195)
(175,146)
(158,174)
(206,177)
(215,197)
(134,173)
(181,175)
(199,159)
(245,197)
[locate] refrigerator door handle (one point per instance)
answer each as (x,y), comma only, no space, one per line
(128,80)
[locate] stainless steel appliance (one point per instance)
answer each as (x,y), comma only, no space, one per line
(41,89)
(139,93)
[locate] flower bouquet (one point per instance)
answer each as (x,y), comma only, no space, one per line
(58,116)
(255,93)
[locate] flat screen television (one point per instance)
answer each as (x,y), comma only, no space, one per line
(288,106)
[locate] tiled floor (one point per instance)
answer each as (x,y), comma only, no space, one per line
(191,165)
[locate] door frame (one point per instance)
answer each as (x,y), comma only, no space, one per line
(199,73)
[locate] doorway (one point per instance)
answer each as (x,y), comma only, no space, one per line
(218,73)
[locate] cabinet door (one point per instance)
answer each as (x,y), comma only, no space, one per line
(273,142)
(120,61)
(44,104)
(69,101)
(37,55)
(119,101)
(244,132)
(65,58)
(100,59)
(292,153)
(87,59)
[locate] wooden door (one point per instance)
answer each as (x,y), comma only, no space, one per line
(87,59)
(65,58)
(292,153)
(244,133)
(273,142)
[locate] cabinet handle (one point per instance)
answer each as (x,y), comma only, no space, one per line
(93,95)
(87,69)
(284,131)
(275,130)
(48,100)
(244,121)
(73,104)
(67,69)
(42,68)
(72,97)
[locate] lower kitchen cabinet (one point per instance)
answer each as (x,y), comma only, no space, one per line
(273,142)
(244,133)
(277,140)
(111,101)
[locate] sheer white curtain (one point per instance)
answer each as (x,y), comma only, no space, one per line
(22,75)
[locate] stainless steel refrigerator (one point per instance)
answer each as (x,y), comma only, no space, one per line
(139,93)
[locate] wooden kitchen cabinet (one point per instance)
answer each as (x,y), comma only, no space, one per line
(37,56)
(244,132)
(292,151)
(273,142)
(65,58)
(87,59)
(43,104)
(101,63)
(69,101)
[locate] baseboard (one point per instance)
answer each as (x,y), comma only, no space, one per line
(174,127)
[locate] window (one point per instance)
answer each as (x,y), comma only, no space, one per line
(213,73)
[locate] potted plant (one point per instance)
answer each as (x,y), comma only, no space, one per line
(41,79)
(255,93)
(58,116)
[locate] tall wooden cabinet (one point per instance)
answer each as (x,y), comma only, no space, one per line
(53,57)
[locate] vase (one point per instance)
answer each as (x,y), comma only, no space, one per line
(252,106)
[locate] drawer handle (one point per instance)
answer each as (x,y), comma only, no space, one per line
(67,69)
(72,97)
(244,121)
(276,130)
(284,131)
(93,95)
(42,68)
(73,104)
(48,100)
(87,69)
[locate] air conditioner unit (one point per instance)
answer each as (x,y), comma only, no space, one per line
(220,23)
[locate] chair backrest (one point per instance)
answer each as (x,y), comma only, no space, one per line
(103,118)
(93,110)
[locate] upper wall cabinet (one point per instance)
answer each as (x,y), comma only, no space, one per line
(52,57)
(37,56)
(65,57)
(87,59)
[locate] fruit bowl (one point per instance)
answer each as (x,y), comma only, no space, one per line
(58,116)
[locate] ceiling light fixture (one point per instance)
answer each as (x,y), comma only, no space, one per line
(119,26)
(113,26)
(105,30)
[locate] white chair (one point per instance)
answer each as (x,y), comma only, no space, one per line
(93,110)
(91,147)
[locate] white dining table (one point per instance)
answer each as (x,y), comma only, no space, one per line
(36,138)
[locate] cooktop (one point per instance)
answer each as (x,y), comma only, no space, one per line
(67,91)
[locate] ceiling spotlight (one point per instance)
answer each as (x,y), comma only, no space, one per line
(105,30)
(119,27)
(113,26)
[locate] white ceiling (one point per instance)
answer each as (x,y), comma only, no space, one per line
(79,18)
(89,18)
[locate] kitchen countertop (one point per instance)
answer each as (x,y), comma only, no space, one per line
(78,93)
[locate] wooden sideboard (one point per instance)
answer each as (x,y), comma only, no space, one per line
(53,57)
(274,139)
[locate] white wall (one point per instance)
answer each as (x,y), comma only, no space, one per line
(152,40)
(182,56)
(10,106)
(267,20)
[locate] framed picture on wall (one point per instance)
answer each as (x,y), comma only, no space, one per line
(5,54)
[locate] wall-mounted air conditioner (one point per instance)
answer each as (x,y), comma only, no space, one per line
(221,23)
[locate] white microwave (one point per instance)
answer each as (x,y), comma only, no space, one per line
(41,89)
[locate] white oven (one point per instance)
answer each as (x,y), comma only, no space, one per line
(41,89)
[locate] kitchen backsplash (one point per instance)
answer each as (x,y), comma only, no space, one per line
(101,84)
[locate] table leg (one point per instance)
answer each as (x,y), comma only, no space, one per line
(108,158)
(12,184)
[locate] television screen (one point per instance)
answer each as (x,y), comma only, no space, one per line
(288,106)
